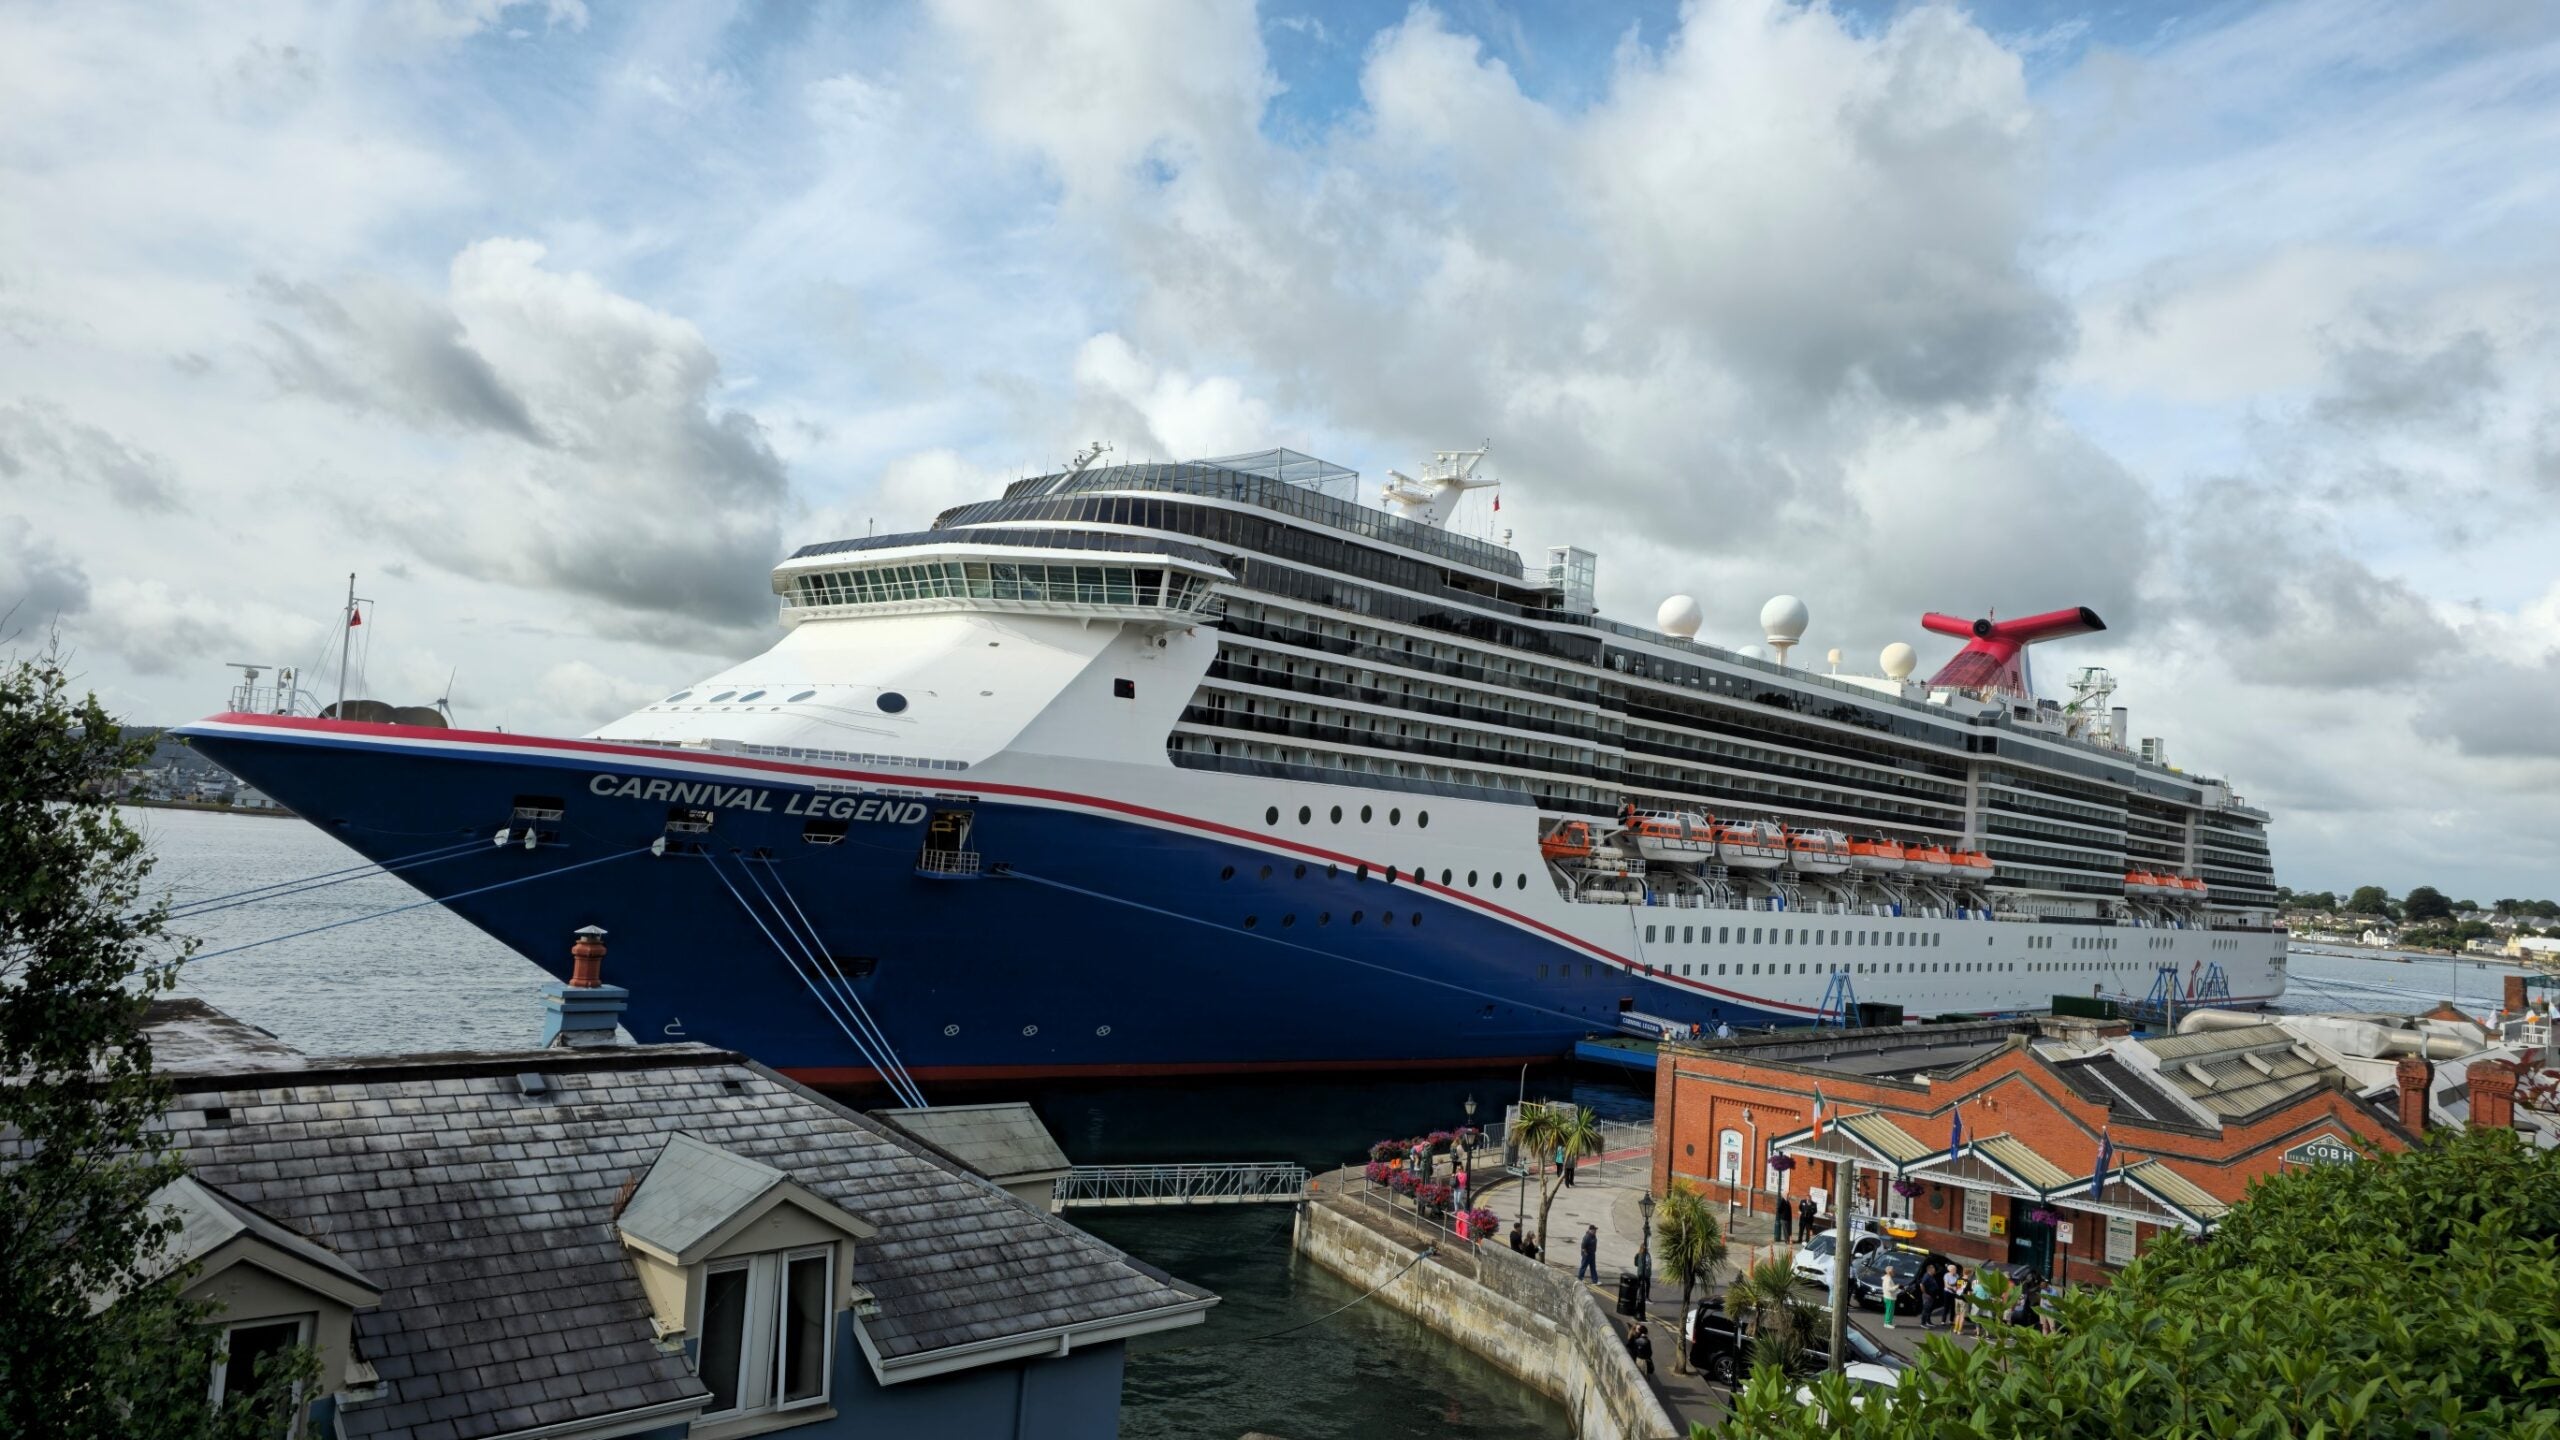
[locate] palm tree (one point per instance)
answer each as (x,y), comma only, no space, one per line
(1692,1244)
(1546,1131)
(1765,1291)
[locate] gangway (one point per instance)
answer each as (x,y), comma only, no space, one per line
(1126,1186)
(1839,1001)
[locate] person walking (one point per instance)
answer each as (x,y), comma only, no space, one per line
(1785,1214)
(1933,1291)
(1640,1345)
(1590,1267)
(1644,1273)
(1805,1215)
(1891,1289)
(1566,1166)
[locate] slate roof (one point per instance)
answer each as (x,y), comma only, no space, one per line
(485,1215)
(208,1219)
(1004,1142)
(691,1190)
(2106,1078)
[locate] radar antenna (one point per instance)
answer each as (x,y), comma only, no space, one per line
(1430,500)
(1085,458)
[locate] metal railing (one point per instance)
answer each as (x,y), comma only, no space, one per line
(947,862)
(1255,1183)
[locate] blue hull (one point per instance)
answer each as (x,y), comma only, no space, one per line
(1094,946)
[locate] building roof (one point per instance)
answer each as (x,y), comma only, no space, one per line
(208,1219)
(2110,1081)
(1004,1142)
(190,1037)
(483,1208)
(2015,1156)
(2239,1072)
(2176,1190)
(695,1194)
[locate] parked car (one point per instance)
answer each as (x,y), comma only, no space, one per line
(1903,1262)
(1866,1383)
(1720,1347)
(1812,1262)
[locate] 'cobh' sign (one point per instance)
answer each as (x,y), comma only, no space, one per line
(2326,1150)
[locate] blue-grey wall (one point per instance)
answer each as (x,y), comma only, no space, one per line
(1076,1397)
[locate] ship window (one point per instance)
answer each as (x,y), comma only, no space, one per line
(1417,917)
(1688,936)
(1271,815)
(1648,934)
(1755,939)
(1522,881)
(1300,873)
(1422,819)
(1391,874)
(1337,815)
(1227,873)
(891,702)
(679,695)
(1306,815)
(1471,879)
(1358,915)
(803,695)
(1444,877)
(723,695)
(1288,920)
(1724,936)
(1252,920)
(1266,872)
(1395,817)
(1324,918)
(1365,813)
(750,695)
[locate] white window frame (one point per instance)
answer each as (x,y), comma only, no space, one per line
(760,1349)
(222,1362)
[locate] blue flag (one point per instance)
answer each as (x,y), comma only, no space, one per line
(1955,1136)
(2106,1157)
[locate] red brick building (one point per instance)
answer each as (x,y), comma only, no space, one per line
(2190,1119)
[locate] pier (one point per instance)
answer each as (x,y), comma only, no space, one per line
(1127,1186)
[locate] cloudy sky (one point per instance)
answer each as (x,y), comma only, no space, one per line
(560,323)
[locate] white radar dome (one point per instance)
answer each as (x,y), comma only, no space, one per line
(1752,652)
(1898,660)
(1679,616)
(1783,620)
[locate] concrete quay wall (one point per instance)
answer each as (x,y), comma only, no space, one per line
(1529,1319)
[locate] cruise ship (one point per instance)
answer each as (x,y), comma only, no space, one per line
(1195,767)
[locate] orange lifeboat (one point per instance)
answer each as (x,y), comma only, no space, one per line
(1673,839)
(1818,852)
(1973,864)
(1572,840)
(1752,845)
(1882,856)
(1930,859)
(2141,882)
(2195,887)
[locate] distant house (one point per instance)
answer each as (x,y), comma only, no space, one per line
(2533,947)
(665,1241)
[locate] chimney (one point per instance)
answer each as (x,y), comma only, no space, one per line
(2414,1073)
(2515,1002)
(2493,1095)
(586,1011)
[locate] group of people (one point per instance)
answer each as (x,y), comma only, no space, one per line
(1798,1217)
(1947,1288)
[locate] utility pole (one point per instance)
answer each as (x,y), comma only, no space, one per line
(1843,1204)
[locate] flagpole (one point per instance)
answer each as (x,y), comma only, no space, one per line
(346,642)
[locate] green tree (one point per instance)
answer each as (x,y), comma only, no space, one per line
(2369,900)
(2426,903)
(1782,1325)
(2404,1295)
(79,959)
(1553,1135)
(1690,1241)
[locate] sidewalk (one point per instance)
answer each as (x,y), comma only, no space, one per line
(1606,1193)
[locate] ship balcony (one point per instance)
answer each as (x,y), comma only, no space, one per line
(1154,591)
(949,865)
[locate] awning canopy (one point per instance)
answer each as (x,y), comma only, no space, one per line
(2149,1191)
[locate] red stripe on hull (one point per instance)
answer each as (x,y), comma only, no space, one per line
(824,1077)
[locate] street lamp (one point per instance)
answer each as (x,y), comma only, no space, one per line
(1644,1247)
(1471,1139)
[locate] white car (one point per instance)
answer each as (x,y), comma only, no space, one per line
(1866,1382)
(1812,1263)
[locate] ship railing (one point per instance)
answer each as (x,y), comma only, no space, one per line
(948,864)
(1117,1186)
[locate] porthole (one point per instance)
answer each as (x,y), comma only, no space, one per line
(1324,917)
(1521,881)
(1227,873)
(1306,815)
(1391,874)
(1365,813)
(1359,915)
(1266,872)
(1497,879)
(1395,817)
(750,695)
(1417,917)
(1271,816)
(679,695)
(1471,879)
(950,1029)
(1301,873)
(723,695)
(1288,920)
(1422,819)
(1444,877)
(1100,1030)
(1332,871)
(1361,874)
(1030,1030)
(1252,920)
(891,702)
(1337,815)
(796,699)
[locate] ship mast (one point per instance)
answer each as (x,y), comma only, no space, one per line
(347,623)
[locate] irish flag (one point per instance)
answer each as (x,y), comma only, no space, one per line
(1817,1112)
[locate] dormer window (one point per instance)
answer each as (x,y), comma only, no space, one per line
(767,1328)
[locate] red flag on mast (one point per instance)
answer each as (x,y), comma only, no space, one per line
(355,617)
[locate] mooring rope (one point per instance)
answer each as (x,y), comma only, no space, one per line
(417,904)
(810,946)
(281,889)
(815,990)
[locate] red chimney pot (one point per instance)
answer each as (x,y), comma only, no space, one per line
(2413,1074)
(586,970)
(2493,1095)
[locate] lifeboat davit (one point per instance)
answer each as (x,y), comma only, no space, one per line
(1668,839)
(1754,845)
(1818,852)
(1573,840)
(1882,856)
(1930,860)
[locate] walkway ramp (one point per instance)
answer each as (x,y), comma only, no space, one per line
(1127,1186)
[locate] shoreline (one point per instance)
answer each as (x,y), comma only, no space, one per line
(275,812)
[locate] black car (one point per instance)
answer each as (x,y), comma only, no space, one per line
(1720,1347)
(1903,1262)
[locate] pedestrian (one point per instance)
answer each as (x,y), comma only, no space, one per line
(1571,1162)
(1590,1267)
(1519,1238)
(1644,1272)
(1892,1288)
(1640,1345)
(1805,1214)
(1933,1290)
(1723,1030)
(1785,1213)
